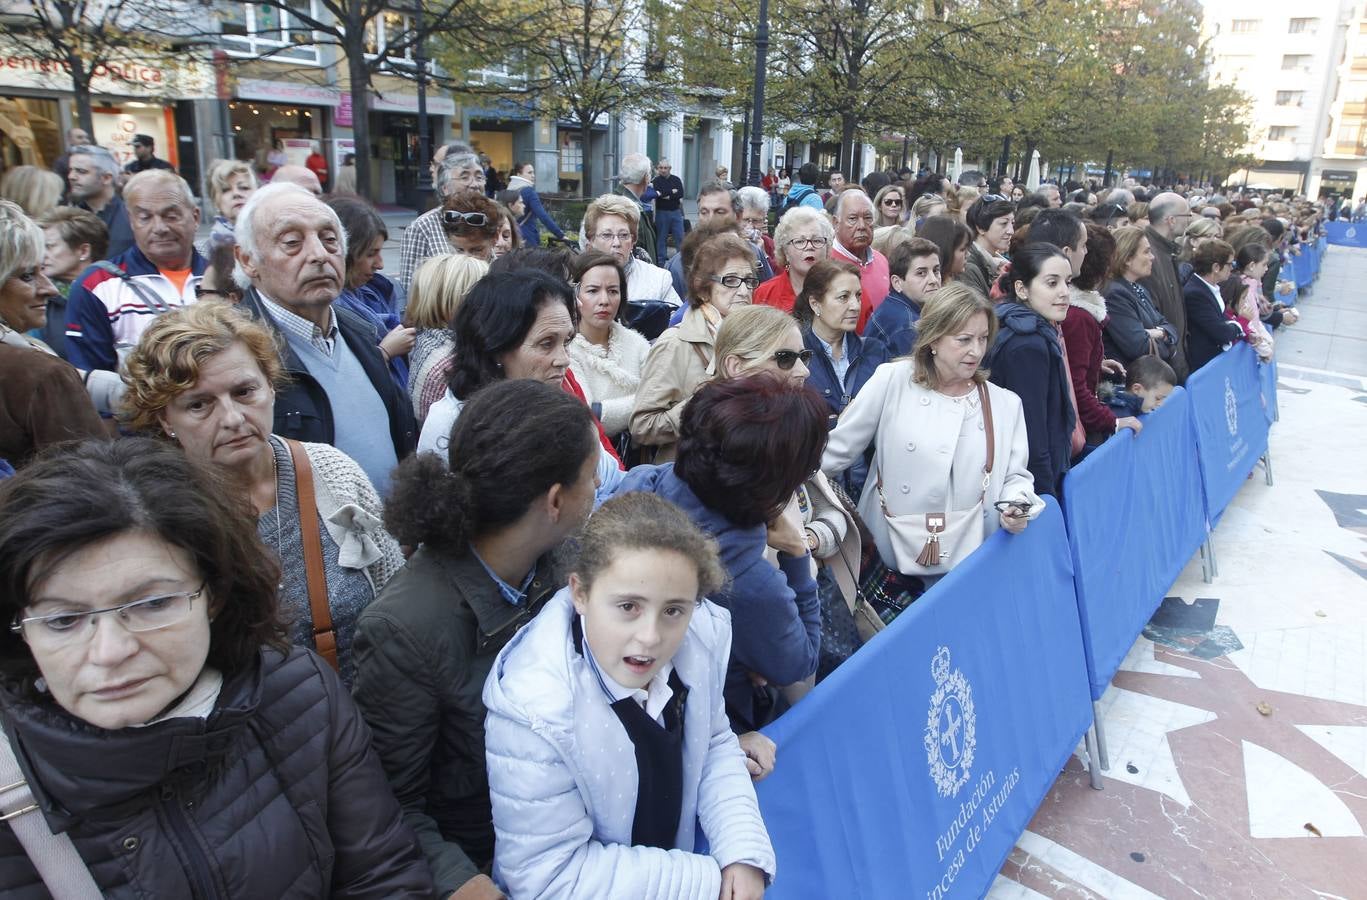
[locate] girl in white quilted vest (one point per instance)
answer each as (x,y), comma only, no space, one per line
(609,749)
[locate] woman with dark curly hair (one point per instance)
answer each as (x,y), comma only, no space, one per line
(512,325)
(745,446)
(485,517)
(205,377)
(149,694)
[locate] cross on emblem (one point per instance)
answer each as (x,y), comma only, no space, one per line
(950,735)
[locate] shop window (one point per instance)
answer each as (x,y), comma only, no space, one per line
(264,29)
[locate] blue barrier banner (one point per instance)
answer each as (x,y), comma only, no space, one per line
(1267,381)
(912,770)
(1304,271)
(1231,427)
(1347,234)
(1135,517)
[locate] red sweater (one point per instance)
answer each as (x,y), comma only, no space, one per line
(777,292)
(1082,332)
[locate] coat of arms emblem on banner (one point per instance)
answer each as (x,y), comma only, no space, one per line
(951,727)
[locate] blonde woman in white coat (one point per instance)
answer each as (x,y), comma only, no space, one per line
(923,417)
(607,741)
(606,356)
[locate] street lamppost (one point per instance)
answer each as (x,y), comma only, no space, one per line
(420,60)
(757,116)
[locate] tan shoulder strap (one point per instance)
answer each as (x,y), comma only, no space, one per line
(324,638)
(987,427)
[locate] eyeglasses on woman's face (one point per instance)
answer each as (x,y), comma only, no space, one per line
(892,201)
(735,281)
(802,243)
(65,628)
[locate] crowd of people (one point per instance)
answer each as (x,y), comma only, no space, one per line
(499,659)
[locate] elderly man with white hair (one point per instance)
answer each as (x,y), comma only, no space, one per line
(634,178)
(112,302)
(291,264)
(854,243)
(457,170)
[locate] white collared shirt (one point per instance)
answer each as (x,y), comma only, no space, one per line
(322,340)
(652,698)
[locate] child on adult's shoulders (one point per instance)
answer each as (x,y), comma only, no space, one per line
(607,740)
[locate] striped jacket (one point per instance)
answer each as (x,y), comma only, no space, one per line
(107,313)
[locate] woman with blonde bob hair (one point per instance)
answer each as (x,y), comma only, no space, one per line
(37,191)
(910,409)
(438,287)
(205,376)
(231,183)
(761,340)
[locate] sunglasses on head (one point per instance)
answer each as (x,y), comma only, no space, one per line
(473,219)
(786,359)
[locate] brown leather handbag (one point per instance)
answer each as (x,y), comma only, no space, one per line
(324,637)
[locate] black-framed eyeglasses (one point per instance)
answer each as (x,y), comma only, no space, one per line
(456,217)
(201,292)
(786,359)
(735,281)
(808,243)
(147,614)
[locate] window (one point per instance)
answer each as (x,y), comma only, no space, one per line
(1290,98)
(1281,133)
(1245,26)
(1296,61)
(571,154)
(390,28)
(264,29)
(1303,26)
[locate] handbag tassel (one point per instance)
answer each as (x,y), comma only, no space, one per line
(930,553)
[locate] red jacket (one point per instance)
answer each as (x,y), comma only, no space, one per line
(1082,333)
(776,292)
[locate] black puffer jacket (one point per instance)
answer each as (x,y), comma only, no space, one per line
(276,794)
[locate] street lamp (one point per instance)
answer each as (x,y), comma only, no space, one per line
(757,117)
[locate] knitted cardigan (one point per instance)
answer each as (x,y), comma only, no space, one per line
(611,375)
(350,508)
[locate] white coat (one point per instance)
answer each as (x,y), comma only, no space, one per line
(562,772)
(915,433)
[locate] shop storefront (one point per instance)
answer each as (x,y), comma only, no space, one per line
(130,96)
(394,130)
(279,122)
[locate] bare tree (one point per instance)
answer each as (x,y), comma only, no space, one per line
(352,25)
(573,59)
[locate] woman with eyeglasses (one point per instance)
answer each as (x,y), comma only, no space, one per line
(802,239)
(761,340)
(722,278)
(924,417)
(205,378)
(889,206)
(610,226)
(165,728)
(992,220)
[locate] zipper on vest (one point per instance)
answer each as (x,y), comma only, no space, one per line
(197,867)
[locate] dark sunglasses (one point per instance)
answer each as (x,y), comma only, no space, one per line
(892,201)
(474,219)
(785,359)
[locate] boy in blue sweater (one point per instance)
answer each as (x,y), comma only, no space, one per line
(915,269)
(1150,382)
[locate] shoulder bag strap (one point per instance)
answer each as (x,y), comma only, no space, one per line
(53,855)
(324,638)
(147,296)
(991,436)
